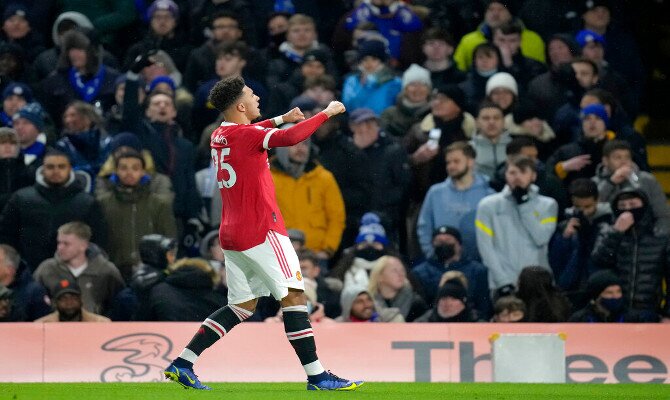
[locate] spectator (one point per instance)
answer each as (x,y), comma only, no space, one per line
(509,309)
(81,75)
(546,181)
(276,27)
(491,140)
(354,267)
(84,139)
(300,38)
(412,104)
(387,166)
(448,256)
(46,61)
(69,305)
(162,136)
(607,303)
(497,13)
(507,38)
(108,18)
(156,253)
(502,89)
(14,67)
(186,294)
(114,116)
(618,172)
(392,18)
(29,125)
(487,62)
(438,48)
(14,174)
(427,140)
(201,17)
(358,306)
(15,96)
(571,246)
(164,34)
(544,301)
(131,202)
(454,201)
(521,237)
(309,198)
(123,142)
(528,120)
(78,259)
(16,28)
(30,219)
(389,287)
(6,305)
(327,289)
(451,305)
(636,254)
(578,159)
(374,85)
(28,301)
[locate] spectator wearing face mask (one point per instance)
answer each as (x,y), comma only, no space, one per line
(607,303)
(448,256)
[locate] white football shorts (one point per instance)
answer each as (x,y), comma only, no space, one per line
(272,267)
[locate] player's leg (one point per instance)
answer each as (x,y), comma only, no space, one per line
(242,303)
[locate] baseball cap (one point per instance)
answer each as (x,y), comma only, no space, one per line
(361,115)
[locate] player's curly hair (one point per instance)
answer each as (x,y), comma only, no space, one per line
(226,92)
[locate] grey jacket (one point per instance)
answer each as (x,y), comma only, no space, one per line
(489,154)
(512,236)
(645,182)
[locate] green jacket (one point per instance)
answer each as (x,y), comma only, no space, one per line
(107,16)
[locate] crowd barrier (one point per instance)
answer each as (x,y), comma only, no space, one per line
(259,352)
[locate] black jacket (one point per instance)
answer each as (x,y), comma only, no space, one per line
(566,152)
(28,297)
(186,294)
(30,220)
(591,313)
(14,175)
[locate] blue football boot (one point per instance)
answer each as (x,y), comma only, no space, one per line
(334,382)
(184,377)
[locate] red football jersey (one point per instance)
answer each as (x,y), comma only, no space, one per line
(249,206)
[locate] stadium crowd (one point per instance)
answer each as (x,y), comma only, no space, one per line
(487,169)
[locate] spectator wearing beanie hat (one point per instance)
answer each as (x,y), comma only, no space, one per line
(159,184)
(16,28)
(451,305)
(607,303)
(29,125)
(412,104)
(14,97)
(374,85)
(502,90)
(579,159)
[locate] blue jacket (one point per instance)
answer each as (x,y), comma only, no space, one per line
(402,20)
(446,205)
(378,93)
(429,273)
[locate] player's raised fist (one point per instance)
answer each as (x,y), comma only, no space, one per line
(294,115)
(334,108)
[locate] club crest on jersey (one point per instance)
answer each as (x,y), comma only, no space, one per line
(220,140)
(298,275)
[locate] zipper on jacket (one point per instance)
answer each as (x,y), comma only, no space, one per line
(634,281)
(133,225)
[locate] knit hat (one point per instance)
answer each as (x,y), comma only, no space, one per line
(18,89)
(453,289)
(416,73)
(600,281)
(127,139)
(371,230)
(161,79)
(373,48)
(33,113)
(166,5)
(586,36)
(597,110)
(527,110)
(316,55)
(448,230)
(454,92)
(502,80)
(589,5)
(15,9)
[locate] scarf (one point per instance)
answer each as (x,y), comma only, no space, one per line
(6,119)
(89,89)
(292,54)
(35,150)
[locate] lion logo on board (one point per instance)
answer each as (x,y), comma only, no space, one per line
(298,275)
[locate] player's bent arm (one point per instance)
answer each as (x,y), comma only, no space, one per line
(297,133)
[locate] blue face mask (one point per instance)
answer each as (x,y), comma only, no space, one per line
(612,305)
(487,74)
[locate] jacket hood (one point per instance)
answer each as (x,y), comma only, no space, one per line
(190,277)
(347,298)
(78,18)
(468,125)
(108,168)
(39,178)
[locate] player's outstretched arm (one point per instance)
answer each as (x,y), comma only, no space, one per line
(334,108)
(298,133)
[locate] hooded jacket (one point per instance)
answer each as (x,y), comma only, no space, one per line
(30,220)
(377,93)
(159,184)
(347,298)
(489,154)
(311,202)
(99,282)
(14,175)
(646,182)
(639,256)
(511,236)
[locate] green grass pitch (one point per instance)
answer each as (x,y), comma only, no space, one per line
(296,391)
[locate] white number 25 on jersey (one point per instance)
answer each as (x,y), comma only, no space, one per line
(224,167)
